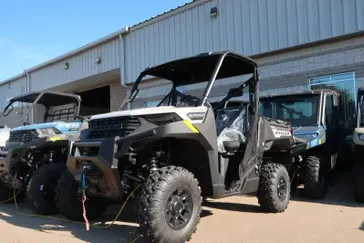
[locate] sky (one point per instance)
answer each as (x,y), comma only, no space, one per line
(32,32)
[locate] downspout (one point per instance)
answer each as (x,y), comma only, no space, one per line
(122,66)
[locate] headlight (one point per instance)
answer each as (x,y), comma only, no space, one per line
(48,131)
(361,136)
(162,119)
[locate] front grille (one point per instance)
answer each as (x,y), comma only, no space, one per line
(112,127)
(21,136)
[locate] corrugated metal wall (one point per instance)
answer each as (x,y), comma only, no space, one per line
(246,26)
(81,66)
(11,89)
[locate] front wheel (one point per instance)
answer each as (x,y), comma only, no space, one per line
(68,200)
(169,205)
(6,193)
(274,188)
(41,188)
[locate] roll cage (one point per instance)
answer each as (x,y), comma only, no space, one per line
(48,99)
(201,68)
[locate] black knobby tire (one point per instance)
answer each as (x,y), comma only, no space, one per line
(6,193)
(315,177)
(359,184)
(69,202)
(274,189)
(41,188)
(165,192)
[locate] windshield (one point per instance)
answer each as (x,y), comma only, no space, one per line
(299,110)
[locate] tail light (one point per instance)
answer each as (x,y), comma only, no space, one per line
(291,131)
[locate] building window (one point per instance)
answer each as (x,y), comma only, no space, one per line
(345,84)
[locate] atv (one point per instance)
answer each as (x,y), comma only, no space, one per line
(181,151)
(35,155)
(358,139)
(316,116)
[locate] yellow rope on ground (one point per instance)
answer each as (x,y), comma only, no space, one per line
(72,221)
(10,198)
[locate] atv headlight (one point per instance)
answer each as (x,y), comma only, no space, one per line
(48,131)
(361,136)
(162,119)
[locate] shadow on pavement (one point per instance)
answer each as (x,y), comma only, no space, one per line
(340,191)
(126,232)
(238,207)
(362,226)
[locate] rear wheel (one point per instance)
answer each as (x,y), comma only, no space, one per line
(68,200)
(41,188)
(274,188)
(359,184)
(315,177)
(169,206)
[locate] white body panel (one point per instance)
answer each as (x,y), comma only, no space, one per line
(180,111)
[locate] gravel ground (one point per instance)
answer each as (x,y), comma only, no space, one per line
(236,219)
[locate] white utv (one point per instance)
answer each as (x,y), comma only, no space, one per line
(181,151)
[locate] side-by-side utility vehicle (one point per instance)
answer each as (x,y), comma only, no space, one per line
(181,151)
(316,116)
(358,139)
(35,154)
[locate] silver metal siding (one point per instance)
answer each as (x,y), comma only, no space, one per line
(11,89)
(246,26)
(80,66)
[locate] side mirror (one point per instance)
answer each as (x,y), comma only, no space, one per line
(8,109)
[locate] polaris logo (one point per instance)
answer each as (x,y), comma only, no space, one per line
(280,133)
(196,115)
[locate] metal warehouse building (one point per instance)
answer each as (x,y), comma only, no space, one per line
(298,44)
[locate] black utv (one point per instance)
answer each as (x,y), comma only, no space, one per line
(181,151)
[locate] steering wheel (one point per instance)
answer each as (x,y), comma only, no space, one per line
(189,100)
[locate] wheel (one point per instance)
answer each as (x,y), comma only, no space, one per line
(315,177)
(359,184)
(68,200)
(6,193)
(41,188)
(274,189)
(169,206)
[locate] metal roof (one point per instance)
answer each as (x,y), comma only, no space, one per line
(166,14)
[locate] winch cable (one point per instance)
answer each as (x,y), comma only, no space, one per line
(84,198)
(72,221)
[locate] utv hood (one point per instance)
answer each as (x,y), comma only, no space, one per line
(61,126)
(315,135)
(180,111)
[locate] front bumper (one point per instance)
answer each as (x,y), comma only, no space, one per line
(12,154)
(105,156)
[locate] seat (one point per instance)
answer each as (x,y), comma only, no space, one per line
(232,126)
